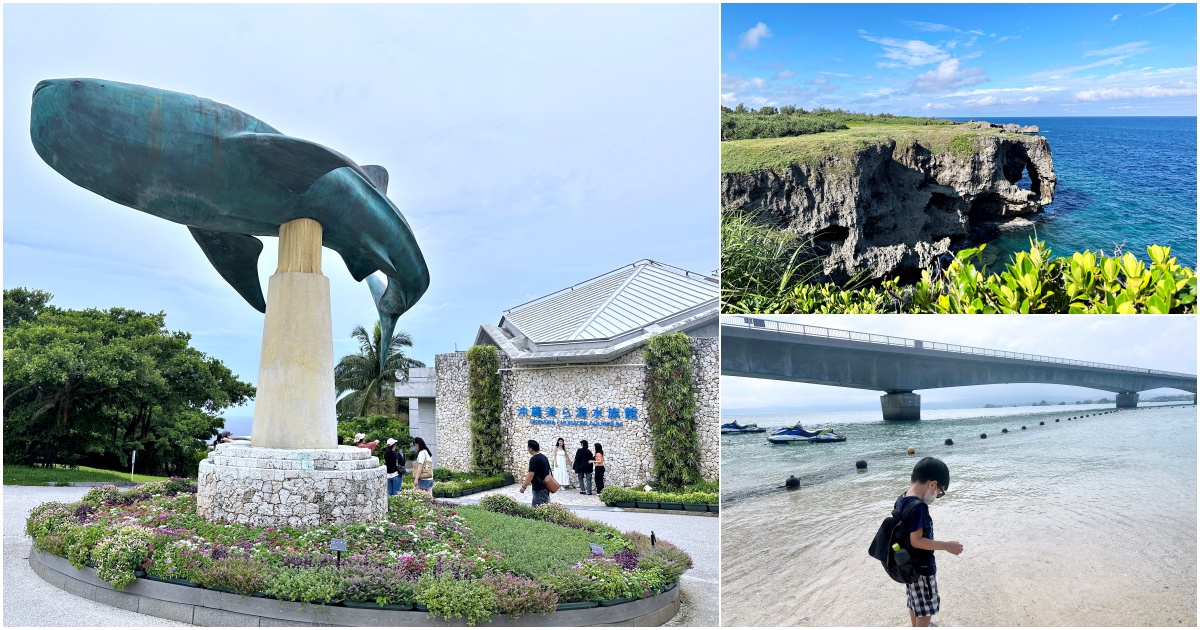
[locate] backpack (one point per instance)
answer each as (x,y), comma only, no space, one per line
(400,458)
(892,531)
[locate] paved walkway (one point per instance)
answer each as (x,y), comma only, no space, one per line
(30,601)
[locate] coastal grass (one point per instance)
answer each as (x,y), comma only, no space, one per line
(531,548)
(772,122)
(18,475)
(838,149)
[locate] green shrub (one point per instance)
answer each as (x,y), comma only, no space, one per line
(621,494)
(377,427)
(671,404)
(571,585)
(670,560)
(119,555)
(308,585)
(487,454)
(49,519)
(443,474)
(240,575)
(791,121)
(365,582)
(180,559)
(104,495)
(518,596)
(82,540)
(451,598)
(529,547)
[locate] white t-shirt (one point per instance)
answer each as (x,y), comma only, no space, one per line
(423,457)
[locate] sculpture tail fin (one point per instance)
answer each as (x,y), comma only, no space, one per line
(390,304)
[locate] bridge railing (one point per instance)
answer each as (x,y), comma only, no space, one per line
(887,340)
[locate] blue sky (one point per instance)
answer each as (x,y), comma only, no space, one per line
(1161,343)
(530,148)
(952,60)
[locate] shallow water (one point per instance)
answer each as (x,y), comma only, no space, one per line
(1090,521)
(1128,180)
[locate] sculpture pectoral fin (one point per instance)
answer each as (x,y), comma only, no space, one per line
(378,176)
(235,257)
(292,162)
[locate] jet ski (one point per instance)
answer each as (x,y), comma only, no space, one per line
(734,427)
(796,434)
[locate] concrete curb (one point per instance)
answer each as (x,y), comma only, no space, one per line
(204,607)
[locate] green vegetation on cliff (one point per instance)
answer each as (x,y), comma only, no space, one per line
(767,271)
(780,122)
(748,156)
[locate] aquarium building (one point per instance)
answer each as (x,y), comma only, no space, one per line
(572,366)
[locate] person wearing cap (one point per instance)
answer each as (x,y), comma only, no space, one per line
(393,458)
(360,440)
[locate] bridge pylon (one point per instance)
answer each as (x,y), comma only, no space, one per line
(1127,400)
(901,406)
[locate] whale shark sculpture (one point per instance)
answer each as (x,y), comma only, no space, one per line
(228,177)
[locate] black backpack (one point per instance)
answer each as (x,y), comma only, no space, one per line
(892,531)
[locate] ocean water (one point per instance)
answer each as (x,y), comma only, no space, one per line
(1090,521)
(1121,180)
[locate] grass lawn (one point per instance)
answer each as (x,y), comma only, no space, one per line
(530,547)
(747,156)
(15,475)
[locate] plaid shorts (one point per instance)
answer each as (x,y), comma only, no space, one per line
(923,597)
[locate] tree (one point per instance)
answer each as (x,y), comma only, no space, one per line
(89,386)
(22,305)
(741,109)
(371,388)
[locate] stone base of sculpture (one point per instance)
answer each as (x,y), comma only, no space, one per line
(273,487)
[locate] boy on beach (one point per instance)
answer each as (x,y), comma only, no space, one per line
(930,480)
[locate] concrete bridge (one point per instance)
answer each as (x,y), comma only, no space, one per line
(759,348)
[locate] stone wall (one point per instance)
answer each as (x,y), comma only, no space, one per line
(613,384)
(626,448)
(453,412)
(706,380)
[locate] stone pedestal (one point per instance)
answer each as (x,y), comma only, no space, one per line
(273,487)
(293,472)
(901,406)
(1127,400)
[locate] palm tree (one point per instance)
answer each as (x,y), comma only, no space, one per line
(360,374)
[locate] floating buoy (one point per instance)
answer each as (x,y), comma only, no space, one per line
(1056,419)
(861,464)
(1004,431)
(949,442)
(1022,427)
(1043,422)
(983,436)
(912,450)
(792,483)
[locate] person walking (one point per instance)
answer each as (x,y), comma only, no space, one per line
(561,462)
(599,468)
(583,467)
(539,469)
(393,458)
(423,470)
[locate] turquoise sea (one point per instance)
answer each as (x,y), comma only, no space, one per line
(1121,180)
(1084,521)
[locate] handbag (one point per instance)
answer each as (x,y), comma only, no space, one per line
(551,483)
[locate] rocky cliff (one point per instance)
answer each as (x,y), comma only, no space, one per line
(895,201)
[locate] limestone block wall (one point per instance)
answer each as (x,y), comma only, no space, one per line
(453,412)
(706,380)
(626,448)
(613,384)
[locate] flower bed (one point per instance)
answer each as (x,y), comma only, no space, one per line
(453,485)
(687,501)
(426,555)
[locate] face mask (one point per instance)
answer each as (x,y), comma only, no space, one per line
(929,497)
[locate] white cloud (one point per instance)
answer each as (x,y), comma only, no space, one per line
(751,38)
(1116,17)
(1032,88)
(837,74)
(949,75)
(1150,91)
(992,100)
(1132,48)
(820,81)
(1007,37)
(906,53)
(1159,10)
(785,74)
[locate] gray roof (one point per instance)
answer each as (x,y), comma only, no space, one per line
(617,303)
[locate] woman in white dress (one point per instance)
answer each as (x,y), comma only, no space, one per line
(562,463)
